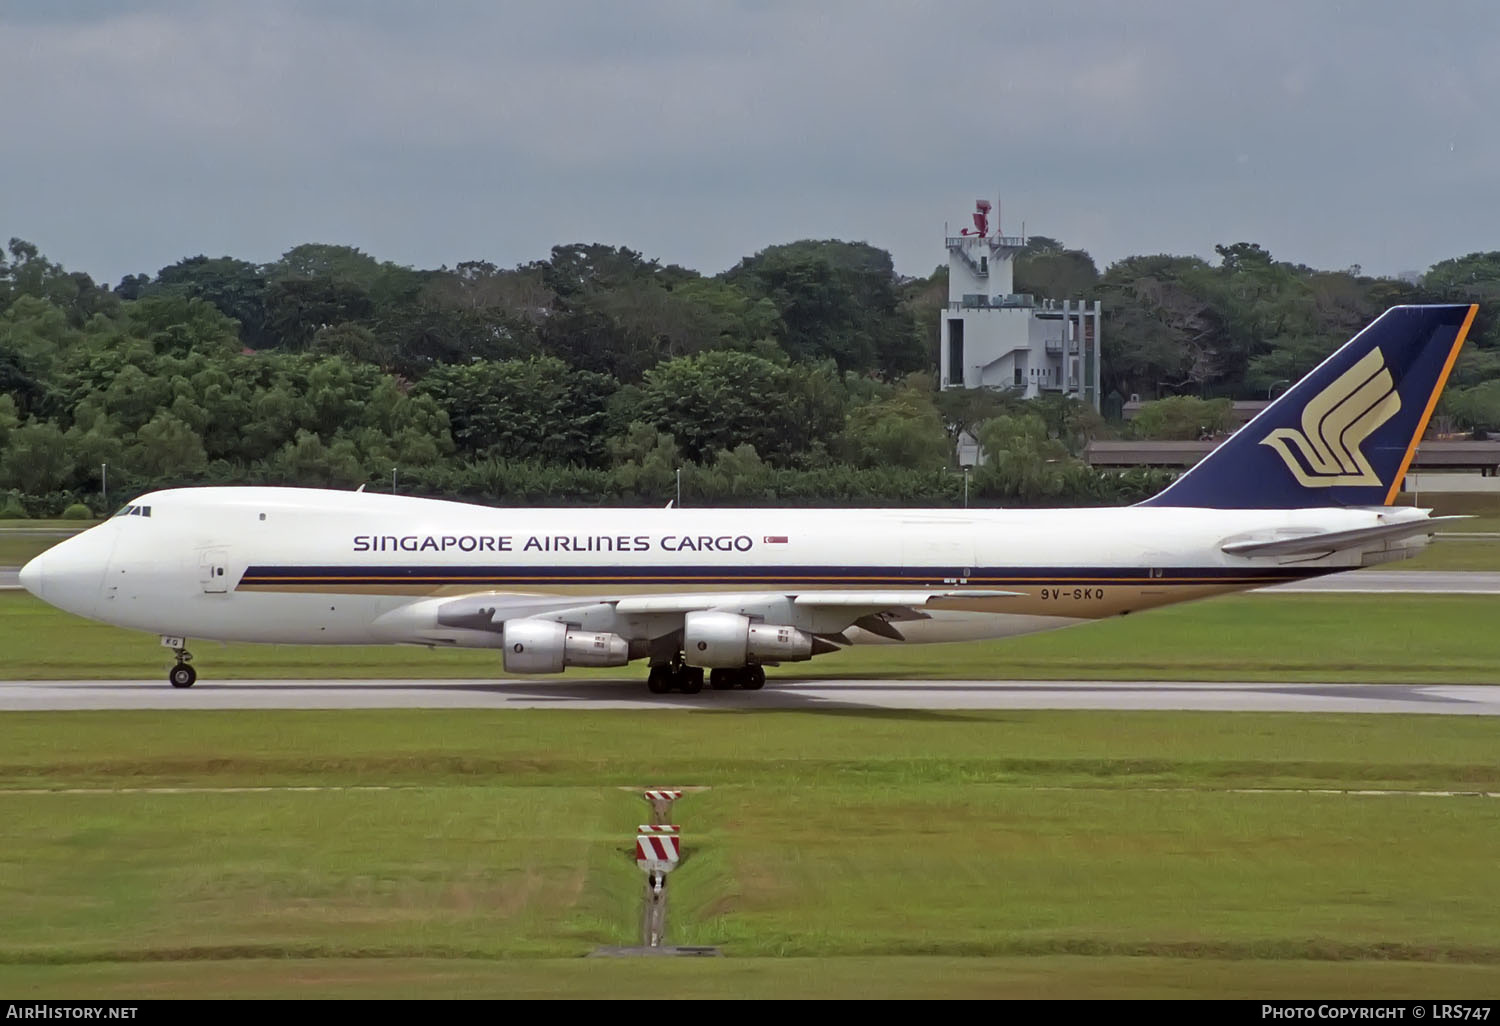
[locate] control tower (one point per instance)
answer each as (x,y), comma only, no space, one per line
(995,337)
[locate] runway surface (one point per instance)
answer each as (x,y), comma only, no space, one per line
(1403,582)
(1455,699)
(1371,582)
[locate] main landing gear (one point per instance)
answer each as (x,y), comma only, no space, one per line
(183,675)
(677,676)
(751,678)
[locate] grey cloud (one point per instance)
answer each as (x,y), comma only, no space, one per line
(700,132)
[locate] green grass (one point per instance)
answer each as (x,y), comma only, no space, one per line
(16,551)
(760,749)
(1454,554)
(1034,853)
(867,978)
(1366,638)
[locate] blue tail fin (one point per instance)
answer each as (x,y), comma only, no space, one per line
(1345,434)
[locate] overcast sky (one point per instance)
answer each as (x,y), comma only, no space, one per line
(133,134)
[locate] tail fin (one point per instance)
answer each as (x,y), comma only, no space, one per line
(1345,434)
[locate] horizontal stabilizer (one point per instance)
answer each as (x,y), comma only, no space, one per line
(1332,541)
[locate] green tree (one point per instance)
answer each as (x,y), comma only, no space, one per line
(1047,268)
(167,448)
(720,400)
(533,409)
(646,461)
(1021,463)
(298,308)
(901,430)
(1181,418)
(837,300)
(177,325)
(236,288)
(1476,408)
(36,460)
(308,461)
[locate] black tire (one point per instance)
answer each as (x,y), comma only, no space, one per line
(691,681)
(723,680)
(754,678)
(660,680)
(182,676)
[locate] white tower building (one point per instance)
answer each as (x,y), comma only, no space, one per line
(994,337)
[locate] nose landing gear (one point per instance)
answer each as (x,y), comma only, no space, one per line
(183,675)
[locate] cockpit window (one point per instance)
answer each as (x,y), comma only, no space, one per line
(134,511)
(125,511)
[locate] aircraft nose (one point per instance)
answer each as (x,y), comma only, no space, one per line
(31,576)
(71,573)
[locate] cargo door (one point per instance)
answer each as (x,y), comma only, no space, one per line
(937,551)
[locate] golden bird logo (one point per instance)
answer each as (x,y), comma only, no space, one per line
(1334,424)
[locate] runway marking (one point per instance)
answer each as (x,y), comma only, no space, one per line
(209,790)
(1350,792)
(292,789)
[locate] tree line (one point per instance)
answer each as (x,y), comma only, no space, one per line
(802,375)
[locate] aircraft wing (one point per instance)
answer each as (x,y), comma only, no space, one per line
(876,600)
(831,612)
(1331,541)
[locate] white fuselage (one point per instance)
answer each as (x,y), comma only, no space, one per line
(306,566)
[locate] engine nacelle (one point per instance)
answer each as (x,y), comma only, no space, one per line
(729,641)
(546,646)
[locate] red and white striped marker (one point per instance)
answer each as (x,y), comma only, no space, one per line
(663,796)
(658,853)
(658,828)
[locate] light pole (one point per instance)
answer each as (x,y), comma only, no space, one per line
(104,485)
(678,503)
(393,480)
(966,488)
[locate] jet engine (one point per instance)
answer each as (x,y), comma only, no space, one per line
(729,640)
(546,646)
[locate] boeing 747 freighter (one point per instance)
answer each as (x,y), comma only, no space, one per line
(1306,488)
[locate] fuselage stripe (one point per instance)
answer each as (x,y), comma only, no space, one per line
(973,577)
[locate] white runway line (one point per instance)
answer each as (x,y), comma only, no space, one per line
(810,695)
(1317,791)
(200,790)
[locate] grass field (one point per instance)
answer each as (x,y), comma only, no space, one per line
(858,977)
(16,549)
(1366,638)
(843,854)
(1453,554)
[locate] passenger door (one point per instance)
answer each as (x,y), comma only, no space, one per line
(213,571)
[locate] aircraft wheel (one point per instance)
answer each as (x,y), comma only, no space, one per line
(723,680)
(660,680)
(182,676)
(691,681)
(754,678)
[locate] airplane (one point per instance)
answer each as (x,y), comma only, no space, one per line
(1304,489)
